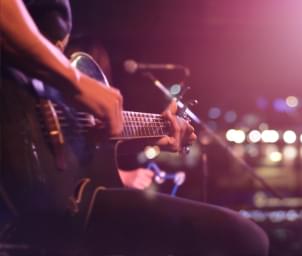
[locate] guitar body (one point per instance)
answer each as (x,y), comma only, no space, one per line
(54,156)
(38,171)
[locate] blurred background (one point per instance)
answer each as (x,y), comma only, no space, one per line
(245,59)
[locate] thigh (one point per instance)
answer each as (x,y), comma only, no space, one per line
(133,221)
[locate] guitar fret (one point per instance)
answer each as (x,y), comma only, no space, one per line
(143,124)
(136,124)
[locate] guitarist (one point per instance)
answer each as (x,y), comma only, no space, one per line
(122,221)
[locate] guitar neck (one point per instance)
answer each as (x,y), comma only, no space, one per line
(143,125)
(136,124)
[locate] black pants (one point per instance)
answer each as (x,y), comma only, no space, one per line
(137,223)
(129,222)
(122,221)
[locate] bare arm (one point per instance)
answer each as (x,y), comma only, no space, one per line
(33,53)
(140,178)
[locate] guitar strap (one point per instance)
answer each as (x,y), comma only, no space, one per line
(4,197)
(7,201)
(8,210)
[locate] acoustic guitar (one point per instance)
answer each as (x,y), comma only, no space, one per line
(60,152)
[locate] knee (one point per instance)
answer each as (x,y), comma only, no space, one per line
(259,241)
(252,238)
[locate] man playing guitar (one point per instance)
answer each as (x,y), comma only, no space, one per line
(37,194)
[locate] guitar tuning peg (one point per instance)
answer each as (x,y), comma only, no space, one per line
(184,108)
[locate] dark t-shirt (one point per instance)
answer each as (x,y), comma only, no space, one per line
(23,170)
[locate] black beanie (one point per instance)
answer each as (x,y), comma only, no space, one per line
(53,17)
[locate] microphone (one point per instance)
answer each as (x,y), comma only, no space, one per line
(131,66)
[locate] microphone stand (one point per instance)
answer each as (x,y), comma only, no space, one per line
(184,109)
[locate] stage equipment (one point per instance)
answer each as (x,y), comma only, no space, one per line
(161,176)
(131,66)
(187,113)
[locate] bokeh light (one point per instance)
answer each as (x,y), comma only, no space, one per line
(236,136)
(270,136)
(289,137)
(230,116)
(292,101)
(275,156)
(214,113)
(254,136)
(290,152)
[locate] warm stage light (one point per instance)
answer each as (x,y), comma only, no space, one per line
(230,134)
(292,101)
(270,136)
(290,153)
(151,152)
(240,137)
(237,136)
(254,136)
(289,137)
(275,156)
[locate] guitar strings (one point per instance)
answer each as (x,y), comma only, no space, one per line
(135,123)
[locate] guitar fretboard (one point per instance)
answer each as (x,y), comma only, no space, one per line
(137,125)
